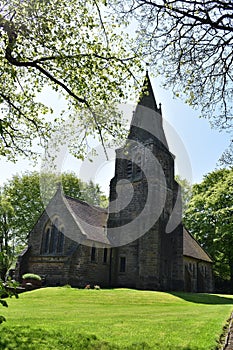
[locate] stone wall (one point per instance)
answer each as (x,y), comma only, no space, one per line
(73,264)
(198,276)
(84,270)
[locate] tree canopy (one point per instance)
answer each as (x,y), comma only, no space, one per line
(70,47)
(189,43)
(209,217)
(186,191)
(21,205)
(77,49)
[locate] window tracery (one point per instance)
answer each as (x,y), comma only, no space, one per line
(53,237)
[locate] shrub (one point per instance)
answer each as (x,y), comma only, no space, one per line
(6,291)
(31,276)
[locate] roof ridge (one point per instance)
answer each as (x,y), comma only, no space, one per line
(86,203)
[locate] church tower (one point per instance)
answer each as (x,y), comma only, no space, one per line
(144,224)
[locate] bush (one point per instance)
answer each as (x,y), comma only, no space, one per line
(31,276)
(5,292)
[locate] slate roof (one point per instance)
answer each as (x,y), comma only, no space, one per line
(91,219)
(192,248)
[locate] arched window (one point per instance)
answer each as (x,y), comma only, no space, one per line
(60,240)
(53,237)
(46,240)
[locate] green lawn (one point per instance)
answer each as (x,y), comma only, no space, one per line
(66,318)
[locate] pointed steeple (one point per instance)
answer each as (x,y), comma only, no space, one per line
(147,119)
(147,98)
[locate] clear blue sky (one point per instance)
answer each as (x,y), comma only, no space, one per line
(203,145)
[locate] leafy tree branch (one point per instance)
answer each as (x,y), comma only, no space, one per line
(188,43)
(47,43)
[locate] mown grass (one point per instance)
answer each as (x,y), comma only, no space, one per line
(67,318)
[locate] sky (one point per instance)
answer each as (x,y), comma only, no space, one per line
(196,146)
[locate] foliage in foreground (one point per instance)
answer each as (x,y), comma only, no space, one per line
(72,48)
(6,292)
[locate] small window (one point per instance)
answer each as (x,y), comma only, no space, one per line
(122,264)
(138,171)
(129,169)
(105,257)
(138,165)
(93,253)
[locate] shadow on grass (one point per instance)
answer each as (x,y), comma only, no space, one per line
(22,338)
(202,298)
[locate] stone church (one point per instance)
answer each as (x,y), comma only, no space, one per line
(139,241)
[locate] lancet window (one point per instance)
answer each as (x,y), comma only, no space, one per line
(53,237)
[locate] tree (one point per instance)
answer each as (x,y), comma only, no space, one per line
(92,193)
(209,218)
(21,205)
(186,191)
(6,251)
(190,44)
(70,47)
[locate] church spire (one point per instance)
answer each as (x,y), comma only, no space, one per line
(147,98)
(147,119)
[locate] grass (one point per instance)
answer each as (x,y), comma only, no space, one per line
(67,318)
